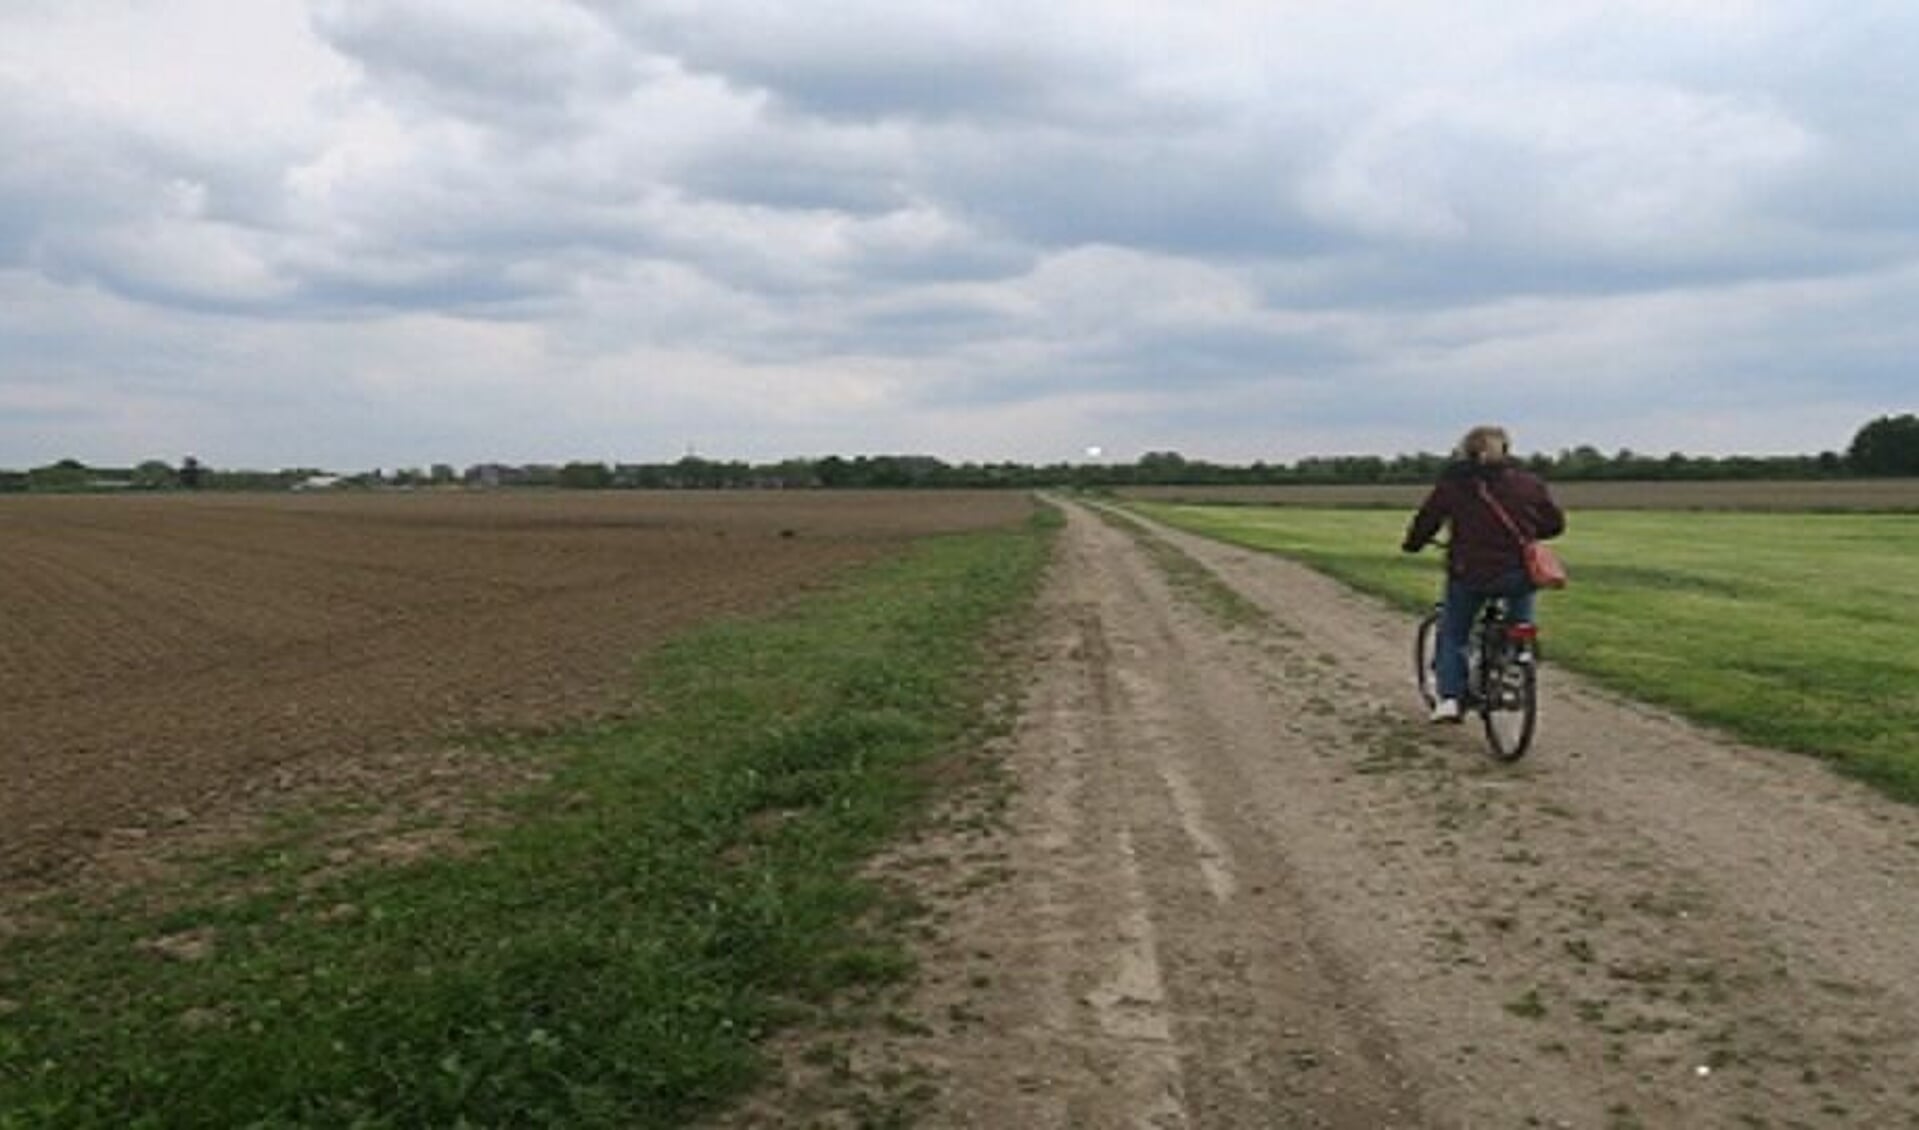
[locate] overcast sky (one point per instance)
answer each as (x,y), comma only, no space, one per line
(356,233)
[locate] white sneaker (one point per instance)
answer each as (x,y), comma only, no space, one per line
(1446,710)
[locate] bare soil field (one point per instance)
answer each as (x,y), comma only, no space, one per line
(1235,879)
(1834,494)
(165,661)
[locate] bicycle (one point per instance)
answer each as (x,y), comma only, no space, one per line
(1502,675)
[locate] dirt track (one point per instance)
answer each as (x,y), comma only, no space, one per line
(1244,885)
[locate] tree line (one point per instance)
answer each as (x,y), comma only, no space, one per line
(1887,446)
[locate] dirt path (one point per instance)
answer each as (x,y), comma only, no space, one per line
(1243,884)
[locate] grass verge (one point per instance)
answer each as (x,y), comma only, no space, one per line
(1782,629)
(1185,575)
(612,956)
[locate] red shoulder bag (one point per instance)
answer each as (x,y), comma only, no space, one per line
(1542,564)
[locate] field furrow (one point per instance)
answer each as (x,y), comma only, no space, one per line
(164,654)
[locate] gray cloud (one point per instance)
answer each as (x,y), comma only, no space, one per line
(867,61)
(997,227)
(532,69)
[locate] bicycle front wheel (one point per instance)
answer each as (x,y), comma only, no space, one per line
(1510,707)
(1425,648)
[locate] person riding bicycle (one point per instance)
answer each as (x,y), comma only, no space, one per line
(1483,558)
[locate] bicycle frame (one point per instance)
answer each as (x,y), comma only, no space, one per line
(1501,675)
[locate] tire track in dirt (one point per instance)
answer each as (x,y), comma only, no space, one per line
(1149,962)
(1242,883)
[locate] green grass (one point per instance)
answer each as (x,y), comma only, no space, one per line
(611,956)
(1790,630)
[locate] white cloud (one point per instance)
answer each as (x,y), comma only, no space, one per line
(1648,172)
(347,231)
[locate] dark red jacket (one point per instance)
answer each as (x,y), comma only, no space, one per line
(1482,549)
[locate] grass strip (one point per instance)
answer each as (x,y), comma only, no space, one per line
(1783,629)
(612,956)
(1185,575)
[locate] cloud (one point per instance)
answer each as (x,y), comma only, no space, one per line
(353,231)
(527,69)
(1608,172)
(866,60)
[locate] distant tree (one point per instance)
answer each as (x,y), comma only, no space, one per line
(791,473)
(190,473)
(886,472)
(1359,468)
(154,474)
(1413,468)
(1676,465)
(1167,467)
(67,474)
(834,471)
(1886,446)
(1582,462)
(586,476)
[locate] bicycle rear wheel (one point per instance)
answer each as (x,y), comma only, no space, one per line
(1425,647)
(1509,706)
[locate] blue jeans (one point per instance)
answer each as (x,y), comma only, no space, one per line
(1463,602)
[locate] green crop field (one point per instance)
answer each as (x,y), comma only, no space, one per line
(1789,630)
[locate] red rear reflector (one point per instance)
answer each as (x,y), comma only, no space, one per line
(1522,633)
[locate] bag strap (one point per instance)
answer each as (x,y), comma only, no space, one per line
(1512,527)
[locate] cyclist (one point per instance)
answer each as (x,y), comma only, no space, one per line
(1483,558)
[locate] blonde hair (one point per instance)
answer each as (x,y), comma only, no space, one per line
(1487,443)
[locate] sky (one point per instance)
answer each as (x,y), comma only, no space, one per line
(357,233)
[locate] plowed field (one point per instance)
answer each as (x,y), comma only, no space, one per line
(161,656)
